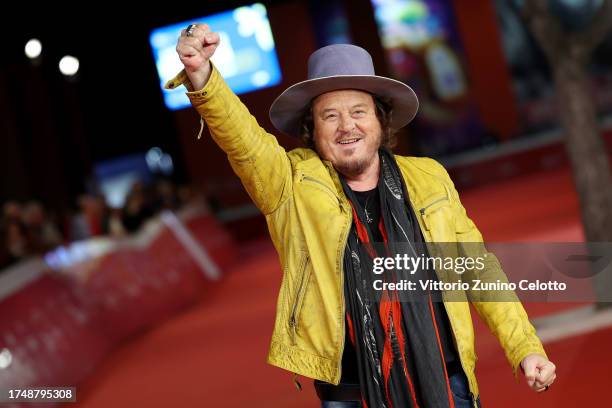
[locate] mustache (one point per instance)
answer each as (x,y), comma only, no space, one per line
(353,135)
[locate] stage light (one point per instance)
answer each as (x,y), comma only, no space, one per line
(5,358)
(159,161)
(153,157)
(33,48)
(69,65)
(165,164)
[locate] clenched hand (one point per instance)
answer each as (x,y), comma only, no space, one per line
(195,50)
(539,372)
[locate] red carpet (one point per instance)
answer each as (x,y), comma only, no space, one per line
(214,354)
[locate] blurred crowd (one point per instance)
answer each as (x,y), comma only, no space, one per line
(31,229)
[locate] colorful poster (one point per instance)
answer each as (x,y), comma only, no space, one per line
(424,50)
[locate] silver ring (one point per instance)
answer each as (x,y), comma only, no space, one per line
(189,30)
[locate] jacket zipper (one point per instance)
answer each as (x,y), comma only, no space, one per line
(347,230)
(422,210)
(343,303)
(298,300)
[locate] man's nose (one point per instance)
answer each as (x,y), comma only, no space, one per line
(346,123)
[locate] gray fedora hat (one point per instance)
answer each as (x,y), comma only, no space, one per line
(335,67)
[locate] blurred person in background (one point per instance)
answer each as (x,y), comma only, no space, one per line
(43,233)
(115,223)
(11,210)
(91,220)
(189,195)
(185,195)
(14,240)
(166,197)
(325,204)
(16,244)
(137,208)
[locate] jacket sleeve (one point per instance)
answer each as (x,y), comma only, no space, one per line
(254,154)
(502,312)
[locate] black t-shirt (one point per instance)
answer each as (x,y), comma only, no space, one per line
(370,202)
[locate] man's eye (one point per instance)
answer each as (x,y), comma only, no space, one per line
(359,112)
(330,116)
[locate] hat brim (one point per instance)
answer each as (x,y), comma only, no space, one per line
(288,109)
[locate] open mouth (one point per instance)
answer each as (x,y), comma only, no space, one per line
(351,141)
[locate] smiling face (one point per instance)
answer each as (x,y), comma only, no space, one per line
(347,131)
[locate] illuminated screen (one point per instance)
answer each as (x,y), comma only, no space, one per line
(246,56)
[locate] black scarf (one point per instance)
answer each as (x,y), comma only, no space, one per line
(396,340)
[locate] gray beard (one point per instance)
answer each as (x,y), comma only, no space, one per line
(351,168)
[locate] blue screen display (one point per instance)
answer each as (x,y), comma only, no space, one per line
(246,56)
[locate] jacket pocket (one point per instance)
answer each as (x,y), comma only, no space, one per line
(431,206)
(298,301)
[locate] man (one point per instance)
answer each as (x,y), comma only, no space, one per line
(326,205)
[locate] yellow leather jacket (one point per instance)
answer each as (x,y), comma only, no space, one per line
(309,218)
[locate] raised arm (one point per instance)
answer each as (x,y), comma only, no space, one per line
(254,154)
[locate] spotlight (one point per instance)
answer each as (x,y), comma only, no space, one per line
(33,48)
(69,65)
(5,358)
